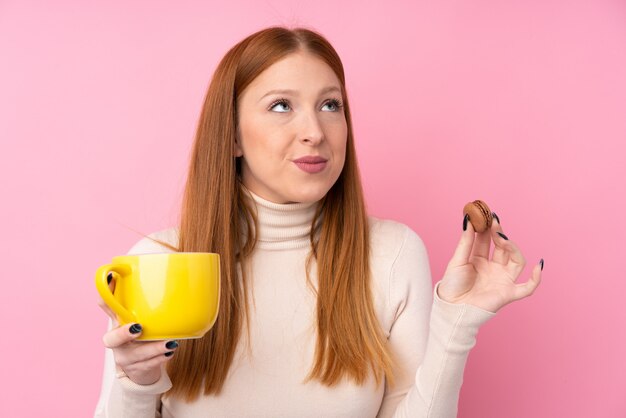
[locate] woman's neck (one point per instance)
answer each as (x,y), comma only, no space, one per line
(283,225)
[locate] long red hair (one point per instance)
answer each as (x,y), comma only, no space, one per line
(215,216)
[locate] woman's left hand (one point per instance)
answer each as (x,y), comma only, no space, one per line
(489,283)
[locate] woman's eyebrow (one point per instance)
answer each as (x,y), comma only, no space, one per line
(295,92)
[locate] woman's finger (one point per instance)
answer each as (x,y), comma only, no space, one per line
(500,256)
(103,305)
(121,335)
(482,244)
(516,262)
(106,309)
(464,247)
(147,365)
(523,290)
(142,351)
(500,253)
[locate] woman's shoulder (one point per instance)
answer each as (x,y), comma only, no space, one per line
(152,243)
(389,237)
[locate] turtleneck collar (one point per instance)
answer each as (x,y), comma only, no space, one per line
(283,226)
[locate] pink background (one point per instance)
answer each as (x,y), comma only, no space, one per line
(519,103)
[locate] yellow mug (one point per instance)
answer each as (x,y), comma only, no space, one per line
(172,295)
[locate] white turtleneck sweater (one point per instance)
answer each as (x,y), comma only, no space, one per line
(430,338)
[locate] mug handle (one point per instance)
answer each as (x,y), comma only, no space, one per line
(105,292)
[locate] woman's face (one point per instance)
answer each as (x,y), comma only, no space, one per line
(292,142)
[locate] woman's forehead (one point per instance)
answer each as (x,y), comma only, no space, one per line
(296,74)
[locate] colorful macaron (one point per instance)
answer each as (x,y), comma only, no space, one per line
(479,215)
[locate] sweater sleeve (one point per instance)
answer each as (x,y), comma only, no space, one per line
(120,397)
(430,338)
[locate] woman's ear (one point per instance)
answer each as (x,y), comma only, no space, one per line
(238,151)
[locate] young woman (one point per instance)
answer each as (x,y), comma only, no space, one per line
(324,311)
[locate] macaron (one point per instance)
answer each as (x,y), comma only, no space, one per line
(479,215)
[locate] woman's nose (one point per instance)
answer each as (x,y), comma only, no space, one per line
(311,129)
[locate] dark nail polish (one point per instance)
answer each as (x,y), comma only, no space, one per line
(541,262)
(465,219)
(171,345)
(135,329)
(169,353)
(109,278)
(503,236)
(495,217)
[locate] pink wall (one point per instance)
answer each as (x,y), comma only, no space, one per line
(520,103)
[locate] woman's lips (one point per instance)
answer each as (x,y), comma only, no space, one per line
(311,164)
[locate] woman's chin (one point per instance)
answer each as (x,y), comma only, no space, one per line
(309,195)
(301,192)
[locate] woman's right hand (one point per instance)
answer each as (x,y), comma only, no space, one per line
(139,360)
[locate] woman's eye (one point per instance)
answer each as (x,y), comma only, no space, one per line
(281,103)
(335,105)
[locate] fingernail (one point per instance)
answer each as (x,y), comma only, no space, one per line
(135,329)
(541,262)
(495,216)
(109,278)
(169,353)
(171,345)
(465,219)
(503,236)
